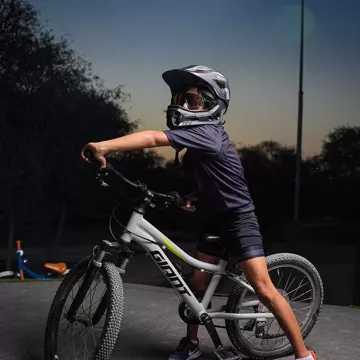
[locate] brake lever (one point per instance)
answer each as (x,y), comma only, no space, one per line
(100,175)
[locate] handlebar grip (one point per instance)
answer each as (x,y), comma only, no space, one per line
(173,198)
(177,199)
(180,201)
(89,154)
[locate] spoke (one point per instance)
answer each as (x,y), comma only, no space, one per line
(91,298)
(80,333)
(89,294)
(66,329)
(310,298)
(267,332)
(289,286)
(279,279)
(84,311)
(72,296)
(292,300)
(299,287)
(86,333)
(250,336)
(287,281)
(74,349)
(299,311)
(97,300)
(77,335)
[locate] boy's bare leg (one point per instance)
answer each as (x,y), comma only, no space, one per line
(199,281)
(257,274)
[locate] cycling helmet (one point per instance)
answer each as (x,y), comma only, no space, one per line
(213,85)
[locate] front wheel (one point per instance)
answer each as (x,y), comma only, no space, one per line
(93,331)
(300,284)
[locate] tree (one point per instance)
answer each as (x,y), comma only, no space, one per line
(340,152)
(335,175)
(50,107)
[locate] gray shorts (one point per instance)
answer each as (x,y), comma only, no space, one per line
(239,234)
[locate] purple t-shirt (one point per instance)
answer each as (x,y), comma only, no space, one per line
(215,166)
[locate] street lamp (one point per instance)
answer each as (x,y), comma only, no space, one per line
(300,119)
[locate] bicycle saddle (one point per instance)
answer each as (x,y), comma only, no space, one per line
(56,267)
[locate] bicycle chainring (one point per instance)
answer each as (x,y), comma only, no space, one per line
(187,315)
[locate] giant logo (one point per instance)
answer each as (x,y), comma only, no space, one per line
(176,281)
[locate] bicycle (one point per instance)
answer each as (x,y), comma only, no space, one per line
(54,269)
(108,263)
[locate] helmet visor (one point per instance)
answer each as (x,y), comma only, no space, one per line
(193,101)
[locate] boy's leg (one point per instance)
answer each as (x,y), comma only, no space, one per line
(199,282)
(188,348)
(257,274)
(245,243)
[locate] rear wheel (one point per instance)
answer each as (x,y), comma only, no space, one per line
(93,332)
(300,284)
(6,274)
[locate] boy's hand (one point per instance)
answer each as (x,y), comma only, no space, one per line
(97,152)
(189,204)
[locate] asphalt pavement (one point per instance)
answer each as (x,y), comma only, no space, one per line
(151,326)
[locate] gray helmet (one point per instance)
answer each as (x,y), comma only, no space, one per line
(216,88)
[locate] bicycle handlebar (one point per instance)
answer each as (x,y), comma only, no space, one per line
(172,198)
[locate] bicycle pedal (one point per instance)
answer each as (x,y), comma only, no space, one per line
(227,353)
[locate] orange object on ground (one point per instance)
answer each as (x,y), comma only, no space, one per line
(59,268)
(18,247)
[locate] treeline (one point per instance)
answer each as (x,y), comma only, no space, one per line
(330,181)
(51,104)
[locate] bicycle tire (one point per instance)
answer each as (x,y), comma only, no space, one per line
(238,291)
(114,315)
(6,274)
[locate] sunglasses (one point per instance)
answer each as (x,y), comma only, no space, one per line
(193,101)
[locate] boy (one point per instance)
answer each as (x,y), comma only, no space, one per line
(195,118)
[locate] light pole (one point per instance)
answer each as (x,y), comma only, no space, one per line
(300,119)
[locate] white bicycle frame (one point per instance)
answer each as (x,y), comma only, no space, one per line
(154,242)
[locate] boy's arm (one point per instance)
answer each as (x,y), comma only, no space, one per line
(139,140)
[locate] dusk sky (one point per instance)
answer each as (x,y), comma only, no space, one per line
(255,43)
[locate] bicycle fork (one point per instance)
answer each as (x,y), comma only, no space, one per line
(94,266)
